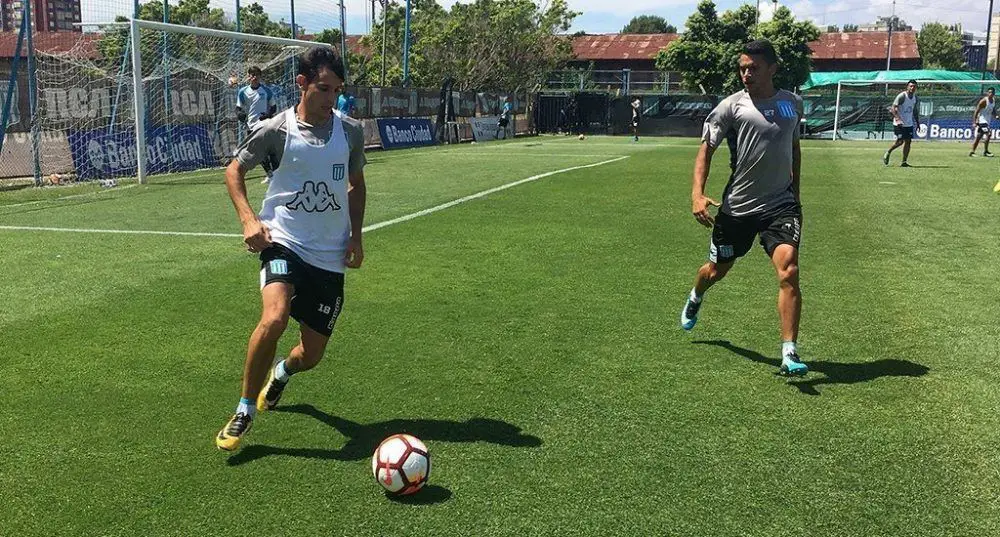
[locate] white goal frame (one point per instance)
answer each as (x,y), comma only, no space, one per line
(842,83)
(139,100)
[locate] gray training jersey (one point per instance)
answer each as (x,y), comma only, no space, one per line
(764,131)
(268,141)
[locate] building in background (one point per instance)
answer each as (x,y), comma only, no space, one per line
(47,15)
(974,50)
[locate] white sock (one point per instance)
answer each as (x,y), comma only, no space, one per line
(246,406)
(280,373)
(787,348)
(694,296)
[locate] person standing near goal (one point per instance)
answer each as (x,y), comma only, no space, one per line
(636,116)
(308,231)
(761,125)
(905,121)
(255,103)
(985,111)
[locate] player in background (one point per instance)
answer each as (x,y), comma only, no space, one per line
(308,231)
(255,103)
(905,121)
(985,111)
(504,119)
(345,104)
(761,124)
(636,116)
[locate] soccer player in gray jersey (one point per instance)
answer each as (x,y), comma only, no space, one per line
(308,231)
(761,124)
(905,121)
(985,112)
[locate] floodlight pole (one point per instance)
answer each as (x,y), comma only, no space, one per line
(989,30)
(343,41)
(836,112)
(406,47)
(888,46)
(385,19)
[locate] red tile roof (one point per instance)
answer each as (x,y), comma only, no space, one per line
(620,46)
(864,46)
(48,42)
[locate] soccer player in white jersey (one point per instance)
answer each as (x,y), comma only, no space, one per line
(255,103)
(905,121)
(985,111)
(308,231)
(761,126)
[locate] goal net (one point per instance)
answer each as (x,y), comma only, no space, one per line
(188,81)
(862,110)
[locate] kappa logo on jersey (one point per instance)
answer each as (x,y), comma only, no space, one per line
(786,108)
(314,198)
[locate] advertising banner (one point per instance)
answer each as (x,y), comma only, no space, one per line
(405,132)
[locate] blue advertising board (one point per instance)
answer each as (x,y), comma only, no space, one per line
(405,132)
(103,153)
(951,129)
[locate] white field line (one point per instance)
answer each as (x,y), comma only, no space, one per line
(371,227)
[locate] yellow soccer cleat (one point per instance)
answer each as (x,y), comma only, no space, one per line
(997,188)
(271,393)
(229,437)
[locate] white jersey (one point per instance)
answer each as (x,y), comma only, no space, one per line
(985,113)
(254,102)
(305,207)
(906,106)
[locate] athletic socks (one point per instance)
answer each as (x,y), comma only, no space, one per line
(280,373)
(247,407)
(788,349)
(694,296)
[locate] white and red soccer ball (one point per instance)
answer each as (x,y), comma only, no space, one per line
(401,464)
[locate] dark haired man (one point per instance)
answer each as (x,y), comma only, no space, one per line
(761,125)
(255,103)
(307,233)
(905,121)
(985,111)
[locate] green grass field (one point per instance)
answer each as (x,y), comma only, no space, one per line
(530,337)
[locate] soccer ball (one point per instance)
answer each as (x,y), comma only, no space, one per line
(582,137)
(401,464)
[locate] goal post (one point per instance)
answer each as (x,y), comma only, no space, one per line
(863,109)
(137,99)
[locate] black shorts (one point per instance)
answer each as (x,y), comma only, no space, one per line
(984,128)
(732,236)
(319,294)
(502,123)
(903,133)
(635,122)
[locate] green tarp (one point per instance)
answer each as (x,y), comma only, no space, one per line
(830,79)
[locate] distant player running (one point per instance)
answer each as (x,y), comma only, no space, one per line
(985,111)
(761,126)
(308,231)
(636,116)
(905,121)
(504,118)
(255,103)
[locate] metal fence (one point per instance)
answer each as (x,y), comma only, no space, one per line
(615,82)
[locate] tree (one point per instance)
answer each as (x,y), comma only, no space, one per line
(850,28)
(832,29)
(487,44)
(940,48)
(649,24)
(706,55)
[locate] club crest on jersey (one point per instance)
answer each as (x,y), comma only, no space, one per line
(279,267)
(338,172)
(313,198)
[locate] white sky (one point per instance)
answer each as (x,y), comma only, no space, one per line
(601,16)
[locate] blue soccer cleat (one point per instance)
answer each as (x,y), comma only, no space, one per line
(792,366)
(689,315)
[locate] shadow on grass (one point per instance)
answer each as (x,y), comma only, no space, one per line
(835,372)
(429,494)
(362,439)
